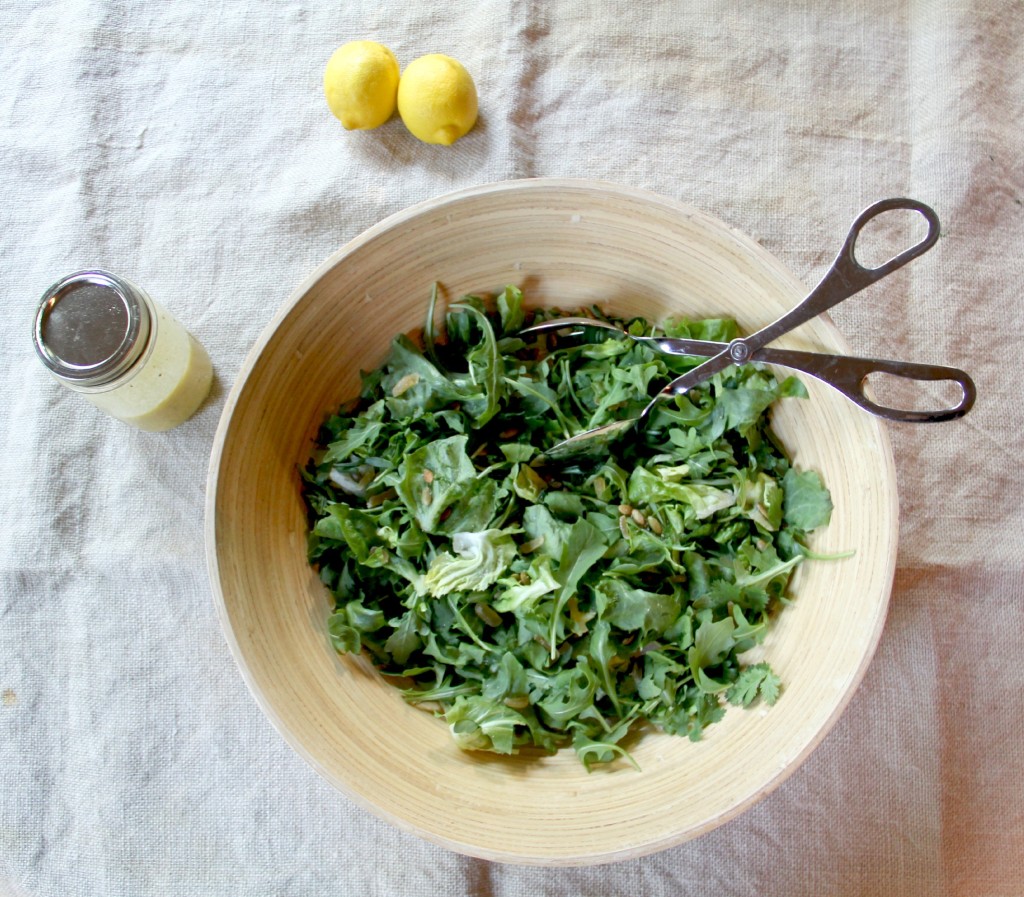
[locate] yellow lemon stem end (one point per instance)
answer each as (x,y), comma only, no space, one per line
(437,99)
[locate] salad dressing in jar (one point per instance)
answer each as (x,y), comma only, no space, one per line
(106,339)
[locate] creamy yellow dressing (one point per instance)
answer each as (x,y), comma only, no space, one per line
(169,385)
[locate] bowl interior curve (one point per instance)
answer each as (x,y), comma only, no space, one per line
(566,243)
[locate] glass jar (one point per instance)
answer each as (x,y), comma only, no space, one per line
(106,339)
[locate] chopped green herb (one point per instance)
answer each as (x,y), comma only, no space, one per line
(558,604)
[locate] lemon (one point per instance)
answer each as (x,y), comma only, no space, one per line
(360,83)
(437,99)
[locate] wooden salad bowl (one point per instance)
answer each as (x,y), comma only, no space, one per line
(567,243)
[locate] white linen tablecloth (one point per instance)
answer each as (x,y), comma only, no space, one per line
(187,146)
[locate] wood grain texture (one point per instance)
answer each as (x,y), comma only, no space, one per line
(565,243)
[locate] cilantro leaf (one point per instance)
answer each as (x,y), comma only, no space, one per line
(755,680)
(807,503)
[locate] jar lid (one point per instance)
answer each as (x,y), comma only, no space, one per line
(91,327)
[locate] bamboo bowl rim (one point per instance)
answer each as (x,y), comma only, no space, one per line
(568,242)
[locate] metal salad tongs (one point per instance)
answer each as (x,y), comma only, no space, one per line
(846,374)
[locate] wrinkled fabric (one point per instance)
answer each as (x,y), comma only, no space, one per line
(187,146)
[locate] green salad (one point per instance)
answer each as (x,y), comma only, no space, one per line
(544,603)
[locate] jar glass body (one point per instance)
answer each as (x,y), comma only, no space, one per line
(166,383)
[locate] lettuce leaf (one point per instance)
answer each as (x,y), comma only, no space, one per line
(479,559)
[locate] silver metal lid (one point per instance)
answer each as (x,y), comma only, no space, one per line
(91,327)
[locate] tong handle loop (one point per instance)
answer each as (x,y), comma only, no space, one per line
(848,276)
(849,376)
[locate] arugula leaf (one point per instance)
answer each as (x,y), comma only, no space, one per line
(568,694)
(357,529)
(364,431)
(405,637)
(411,385)
(543,528)
(510,309)
(344,637)
(443,491)
(603,749)
(711,643)
(581,550)
(635,609)
(527,483)
(486,368)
